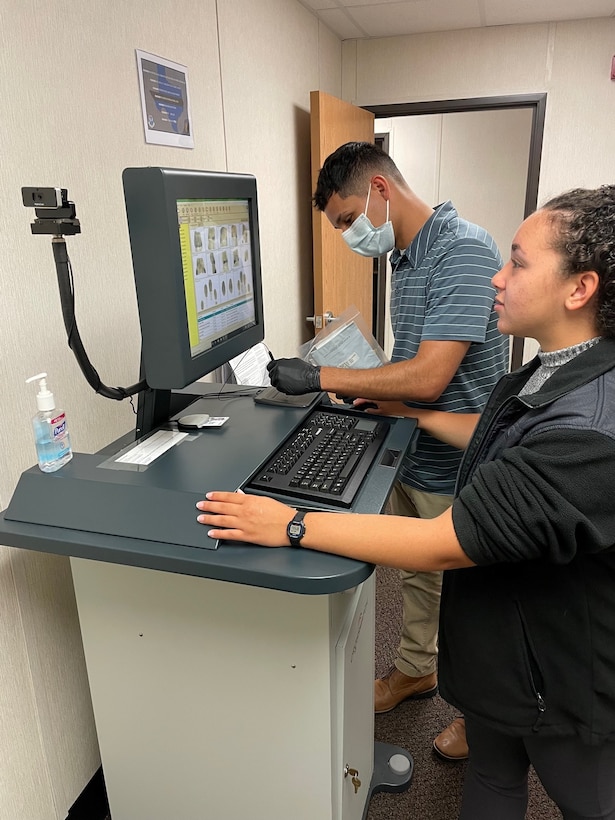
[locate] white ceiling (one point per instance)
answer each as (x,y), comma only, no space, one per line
(361,19)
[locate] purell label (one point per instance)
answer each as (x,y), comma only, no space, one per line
(58,426)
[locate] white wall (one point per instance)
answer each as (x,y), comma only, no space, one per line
(569,61)
(72,118)
(477,159)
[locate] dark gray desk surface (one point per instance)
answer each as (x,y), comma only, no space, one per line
(220,459)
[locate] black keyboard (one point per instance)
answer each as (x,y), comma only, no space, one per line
(324,460)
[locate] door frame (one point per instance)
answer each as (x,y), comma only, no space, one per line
(538,104)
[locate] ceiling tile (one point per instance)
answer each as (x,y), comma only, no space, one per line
(351,19)
(342,24)
(416,16)
(503,12)
(350,3)
(317,5)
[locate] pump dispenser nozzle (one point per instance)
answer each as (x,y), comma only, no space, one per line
(44,398)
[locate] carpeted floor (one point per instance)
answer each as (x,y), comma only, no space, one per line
(435,791)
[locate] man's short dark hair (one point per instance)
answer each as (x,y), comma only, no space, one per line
(347,170)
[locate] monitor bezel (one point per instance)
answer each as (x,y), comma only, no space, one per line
(151,196)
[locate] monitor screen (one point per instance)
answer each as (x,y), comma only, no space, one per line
(196,260)
(217,267)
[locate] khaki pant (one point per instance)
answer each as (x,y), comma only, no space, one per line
(418,646)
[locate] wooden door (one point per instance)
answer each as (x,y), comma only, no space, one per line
(341,277)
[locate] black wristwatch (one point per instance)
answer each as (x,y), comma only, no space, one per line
(296,529)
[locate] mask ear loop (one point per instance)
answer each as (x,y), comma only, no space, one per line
(369,191)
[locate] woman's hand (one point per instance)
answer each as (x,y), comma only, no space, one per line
(240,517)
(418,544)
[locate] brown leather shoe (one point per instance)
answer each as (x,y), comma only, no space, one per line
(451,744)
(394,687)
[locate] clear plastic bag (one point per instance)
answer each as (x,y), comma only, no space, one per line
(344,342)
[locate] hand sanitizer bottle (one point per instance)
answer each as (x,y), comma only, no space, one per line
(50,431)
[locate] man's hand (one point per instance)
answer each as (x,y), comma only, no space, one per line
(294,376)
(240,517)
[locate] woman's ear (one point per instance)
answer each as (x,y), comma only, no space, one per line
(585,287)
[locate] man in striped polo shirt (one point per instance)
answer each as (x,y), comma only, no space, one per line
(447,355)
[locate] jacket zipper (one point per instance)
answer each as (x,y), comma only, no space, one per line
(533,672)
(542,708)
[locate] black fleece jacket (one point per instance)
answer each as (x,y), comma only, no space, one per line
(527,638)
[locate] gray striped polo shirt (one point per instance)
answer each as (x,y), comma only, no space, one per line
(441,290)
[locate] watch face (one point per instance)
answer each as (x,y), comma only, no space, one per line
(296,530)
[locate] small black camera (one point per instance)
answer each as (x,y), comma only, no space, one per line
(44,197)
(55,215)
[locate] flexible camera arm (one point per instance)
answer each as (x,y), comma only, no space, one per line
(56,216)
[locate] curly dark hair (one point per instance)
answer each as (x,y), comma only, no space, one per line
(584,236)
(347,170)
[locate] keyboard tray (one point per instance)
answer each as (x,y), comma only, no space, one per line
(323,461)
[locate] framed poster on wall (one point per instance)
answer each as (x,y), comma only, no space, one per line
(164,101)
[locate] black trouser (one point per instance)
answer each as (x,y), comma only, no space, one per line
(579,778)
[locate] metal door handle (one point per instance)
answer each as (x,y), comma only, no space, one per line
(317,320)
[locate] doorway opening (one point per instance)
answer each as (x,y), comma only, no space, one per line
(536,103)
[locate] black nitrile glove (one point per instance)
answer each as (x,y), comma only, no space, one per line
(294,376)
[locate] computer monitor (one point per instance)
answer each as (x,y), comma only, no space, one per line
(196,260)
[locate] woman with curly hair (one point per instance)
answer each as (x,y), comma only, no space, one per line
(527,623)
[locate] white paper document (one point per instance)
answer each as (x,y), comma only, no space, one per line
(149,450)
(251,367)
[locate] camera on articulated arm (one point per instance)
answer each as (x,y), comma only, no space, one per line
(55,215)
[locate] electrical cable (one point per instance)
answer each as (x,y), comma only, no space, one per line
(67,299)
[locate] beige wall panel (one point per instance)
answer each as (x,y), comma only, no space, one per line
(79,132)
(570,61)
(484,168)
(578,147)
(415,143)
(57,667)
(349,70)
(268,134)
(24,780)
(72,118)
(452,156)
(330,62)
(477,159)
(452,64)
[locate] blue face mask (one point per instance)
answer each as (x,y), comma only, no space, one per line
(363,238)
